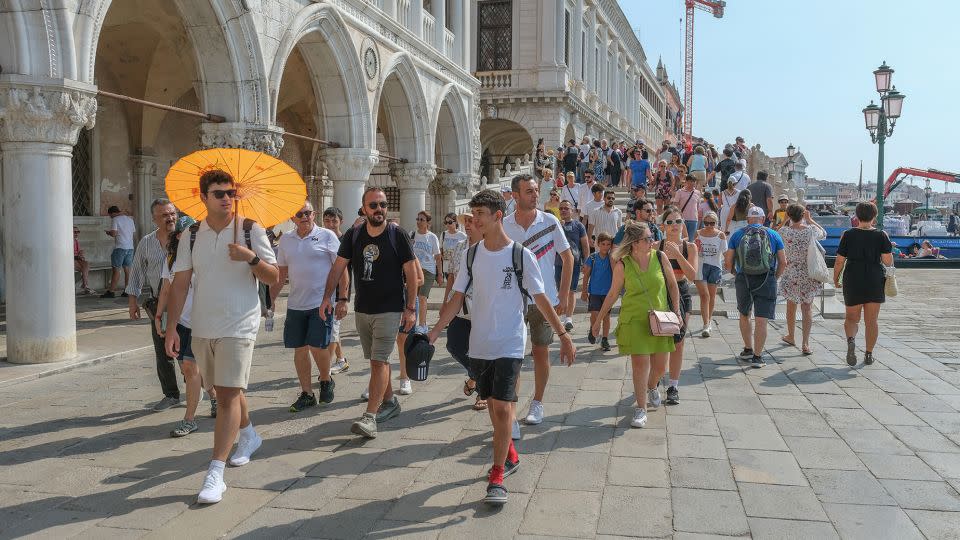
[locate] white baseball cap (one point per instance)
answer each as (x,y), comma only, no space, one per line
(755,212)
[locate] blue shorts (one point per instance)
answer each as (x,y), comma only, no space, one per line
(691,225)
(305,328)
(186,352)
(575,281)
(759,293)
(711,274)
(121,257)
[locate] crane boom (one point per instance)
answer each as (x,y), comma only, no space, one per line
(715,7)
(933,174)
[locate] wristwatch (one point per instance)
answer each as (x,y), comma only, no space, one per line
(255,261)
(343,299)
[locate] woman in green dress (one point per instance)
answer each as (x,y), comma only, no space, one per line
(639,270)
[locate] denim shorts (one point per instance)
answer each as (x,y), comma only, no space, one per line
(305,328)
(711,274)
(757,292)
(575,281)
(121,258)
(186,352)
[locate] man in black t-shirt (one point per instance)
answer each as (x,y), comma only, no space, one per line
(726,167)
(383,268)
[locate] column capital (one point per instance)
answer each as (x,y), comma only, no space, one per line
(45,113)
(260,138)
(413,176)
(350,163)
(462,183)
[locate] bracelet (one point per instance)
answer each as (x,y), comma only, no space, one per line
(562,333)
(343,299)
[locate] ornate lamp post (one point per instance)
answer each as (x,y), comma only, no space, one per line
(880,121)
(927,191)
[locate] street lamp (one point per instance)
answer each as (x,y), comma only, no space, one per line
(880,121)
(927,191)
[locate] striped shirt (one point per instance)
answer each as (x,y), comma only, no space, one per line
(148,262)
(604,221)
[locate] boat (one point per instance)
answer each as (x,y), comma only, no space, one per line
(949,246)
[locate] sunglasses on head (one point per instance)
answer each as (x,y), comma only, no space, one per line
(303,214)
(220,193)
(377,204)
(673,222)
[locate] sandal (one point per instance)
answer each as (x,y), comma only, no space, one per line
(788,342)
(806,351)
(480,404)
(467,389)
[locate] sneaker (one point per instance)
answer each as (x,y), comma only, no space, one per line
(339,366)
(746,353)
(639,418)
(366,426)
(109,294)
(867,358)
(653,397)
(496,495)
(212,490)
(406,387)
(673,396)
(245,449)
(535,416)
(592,339)
(365,395)
(305,400)
(183,428)
(388,409)
(515,431)
(508,468)
(568,324)
(326,391)
(88,290)
(757,362)
(213,407)
(852,353)
(604,344)
(706,330)
(123,295)
(166,403)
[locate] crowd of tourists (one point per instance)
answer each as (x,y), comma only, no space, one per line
(511,269)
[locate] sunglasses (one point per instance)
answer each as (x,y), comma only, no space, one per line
(221,193)
(449,222)
(648,210)
(377,204)
(305,213)
(709,223)
(673,222)
(646,239)
(421,219)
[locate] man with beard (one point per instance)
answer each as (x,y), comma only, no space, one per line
(148,261)
(383,268)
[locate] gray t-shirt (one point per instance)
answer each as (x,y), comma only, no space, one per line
(760,192)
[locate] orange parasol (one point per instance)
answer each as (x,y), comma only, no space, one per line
(268,190)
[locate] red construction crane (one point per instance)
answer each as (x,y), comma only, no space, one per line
(714,7)
(893,181)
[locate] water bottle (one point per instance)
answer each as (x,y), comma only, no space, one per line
(268,323)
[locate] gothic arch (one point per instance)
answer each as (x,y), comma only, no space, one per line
(401,100)
(452,134)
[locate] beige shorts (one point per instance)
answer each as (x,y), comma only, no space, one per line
(225,361)
(540,331)
(378,334)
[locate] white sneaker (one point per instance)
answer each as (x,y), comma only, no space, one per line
(535,416)
(707,329)
(406,388)
(568,323)
(515,432)
(653,397)
(339,366)
(365,395)
(245,448)
(212,490)
(639,418)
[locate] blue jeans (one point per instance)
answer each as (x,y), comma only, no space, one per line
(691,228)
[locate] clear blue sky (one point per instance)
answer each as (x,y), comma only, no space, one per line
(800,71)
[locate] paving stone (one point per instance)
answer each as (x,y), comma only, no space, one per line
(739,402)
(574,471)
(427,503)
(783,502)
(853,521)
(645,443)
(549,513)
(696,446)
(875,441)
(937,525)
(898,467)
(215,520)
(55,523)
(345,463)
(947,465)
(853,487)
(689,406)
(638,472)
(801,423)
(849,419)
(923,495)
(774,401)
(719,512)
(380,483)
(753,431)
(310,493)
(267,523)
(585,439)
(692,425)
(832,401)
(823,453)
(619,513)
(344,519)
(924,439)
(766,467)
(781,529)
(701,473)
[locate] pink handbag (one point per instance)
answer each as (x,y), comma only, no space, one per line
(664,323)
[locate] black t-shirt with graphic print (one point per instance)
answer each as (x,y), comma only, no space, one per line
(377,268)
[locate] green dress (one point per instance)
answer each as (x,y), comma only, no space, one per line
(644,291)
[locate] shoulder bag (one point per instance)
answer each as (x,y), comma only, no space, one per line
(663,323)
(816,263)
(890,284)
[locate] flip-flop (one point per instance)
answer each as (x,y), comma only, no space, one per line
(788,342)
(467,389)
(806,352)
(480,405)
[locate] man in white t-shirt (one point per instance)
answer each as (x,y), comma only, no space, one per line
(740,176)
(572,191)
(498,335)
(122,228)
(586,193)
(225,317)
(305,255)
(541,233)
(426,248)
(606,219)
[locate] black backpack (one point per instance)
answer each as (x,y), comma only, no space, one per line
(517,255)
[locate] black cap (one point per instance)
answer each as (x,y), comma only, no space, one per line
(419,353)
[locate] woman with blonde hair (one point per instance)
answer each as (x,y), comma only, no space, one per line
(639,270)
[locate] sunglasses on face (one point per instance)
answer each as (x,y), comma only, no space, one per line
(303,214)
(448,222)
(377,204)
(709,223)
(221,193)
(421,219)
(673,222)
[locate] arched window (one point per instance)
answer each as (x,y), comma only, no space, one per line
(495,35)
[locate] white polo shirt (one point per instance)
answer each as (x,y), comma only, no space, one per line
(308,261)
(547,241)
(226,302)
(604,221)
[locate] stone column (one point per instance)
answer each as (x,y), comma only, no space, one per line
(412,179)
(440,25)
(349,169)
(416,20)
(39,124)
(458,19)
(144,179)
(266,139)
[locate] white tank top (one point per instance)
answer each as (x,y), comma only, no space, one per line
(711,250)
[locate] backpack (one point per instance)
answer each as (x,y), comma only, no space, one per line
(517,254)
(754,252)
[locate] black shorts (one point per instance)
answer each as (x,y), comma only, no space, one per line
(458,343)
(595,302)
(186,352)
(497,379)
(305,328)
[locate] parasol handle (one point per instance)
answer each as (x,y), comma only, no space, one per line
(236,218)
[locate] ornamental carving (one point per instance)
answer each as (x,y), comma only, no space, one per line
(415,176)
(268,140)
(461,183)
(50,115)
(350,164)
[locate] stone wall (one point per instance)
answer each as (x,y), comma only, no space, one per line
(757,161)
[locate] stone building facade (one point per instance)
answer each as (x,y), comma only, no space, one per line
(383,79)
(673,106)
(560,69)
